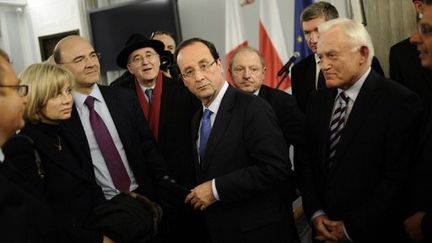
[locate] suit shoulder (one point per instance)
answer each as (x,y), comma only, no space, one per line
(115,91)
(125,80)
(304,63)
(400,45)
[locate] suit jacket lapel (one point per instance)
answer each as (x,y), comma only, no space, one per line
(263,92)
(360,111)
(325,115)
(195,128)
(223,117)
(116,113)
(310,75)
(73,127)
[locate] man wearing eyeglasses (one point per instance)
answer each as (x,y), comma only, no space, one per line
(24,217)
(240,155)
(168,107)
(419,224)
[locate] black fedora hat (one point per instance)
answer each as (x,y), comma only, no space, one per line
(134,42)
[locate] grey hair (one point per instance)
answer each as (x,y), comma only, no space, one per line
(355,31)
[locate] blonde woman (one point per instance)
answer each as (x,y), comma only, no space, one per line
(63,174)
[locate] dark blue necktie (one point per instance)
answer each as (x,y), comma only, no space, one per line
(205,132)
(108,149)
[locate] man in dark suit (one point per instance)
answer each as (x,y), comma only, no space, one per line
(360,135)
(305,75)
(24,216)
(171,107)
(169,112)
(419,224)
(405,68)
(120,112)
(242,165)
(247,69)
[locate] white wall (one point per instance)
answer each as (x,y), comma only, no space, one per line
(37,18)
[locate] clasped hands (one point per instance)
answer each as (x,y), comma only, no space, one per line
(201,196)
(329,231)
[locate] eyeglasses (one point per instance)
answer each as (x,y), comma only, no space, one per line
(21,89)
(424,29)
(81,60)
(139,59)
(191,73)
(254,70)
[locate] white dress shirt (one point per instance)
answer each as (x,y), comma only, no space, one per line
(214,108)
(103,177)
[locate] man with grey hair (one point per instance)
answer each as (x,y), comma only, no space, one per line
(306,76)
(360,135)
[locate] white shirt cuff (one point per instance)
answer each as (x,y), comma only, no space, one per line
(214,190)
(317,213)
(346,233)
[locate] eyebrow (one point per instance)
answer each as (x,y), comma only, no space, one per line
(82,56)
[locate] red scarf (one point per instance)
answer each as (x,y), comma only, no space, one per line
(152,111)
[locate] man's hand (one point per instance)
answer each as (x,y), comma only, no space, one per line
(201,196)
(413,226)
(107,240)
(336,228)
(323,233)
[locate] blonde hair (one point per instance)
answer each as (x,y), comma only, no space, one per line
(45,81)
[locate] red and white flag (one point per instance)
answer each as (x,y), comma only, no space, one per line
(272,43)
(234,36)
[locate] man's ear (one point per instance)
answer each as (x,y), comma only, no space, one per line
(364,52)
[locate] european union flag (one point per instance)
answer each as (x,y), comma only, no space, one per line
(300,44)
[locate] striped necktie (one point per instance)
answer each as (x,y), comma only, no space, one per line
(336,126)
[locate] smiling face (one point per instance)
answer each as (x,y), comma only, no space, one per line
(144,64)
(341,61)
(206,77)
(423,38)
(80,58)
(247,71)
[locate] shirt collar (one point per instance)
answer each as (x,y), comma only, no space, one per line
(214,106)
(2,157)
(79,98)
(257,91)
(316,59)
(353,91)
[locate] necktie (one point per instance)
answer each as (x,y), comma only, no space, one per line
(109,151)
(321,80)
(149,94)
(336,126)
(205,132)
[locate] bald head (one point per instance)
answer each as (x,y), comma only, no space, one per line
(77,55)
(64,43)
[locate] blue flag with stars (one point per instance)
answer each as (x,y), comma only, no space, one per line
(300,44)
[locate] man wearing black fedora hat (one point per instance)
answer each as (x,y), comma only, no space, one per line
(168,107)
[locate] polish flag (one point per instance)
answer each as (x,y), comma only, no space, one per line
(272,43)
(234,36)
